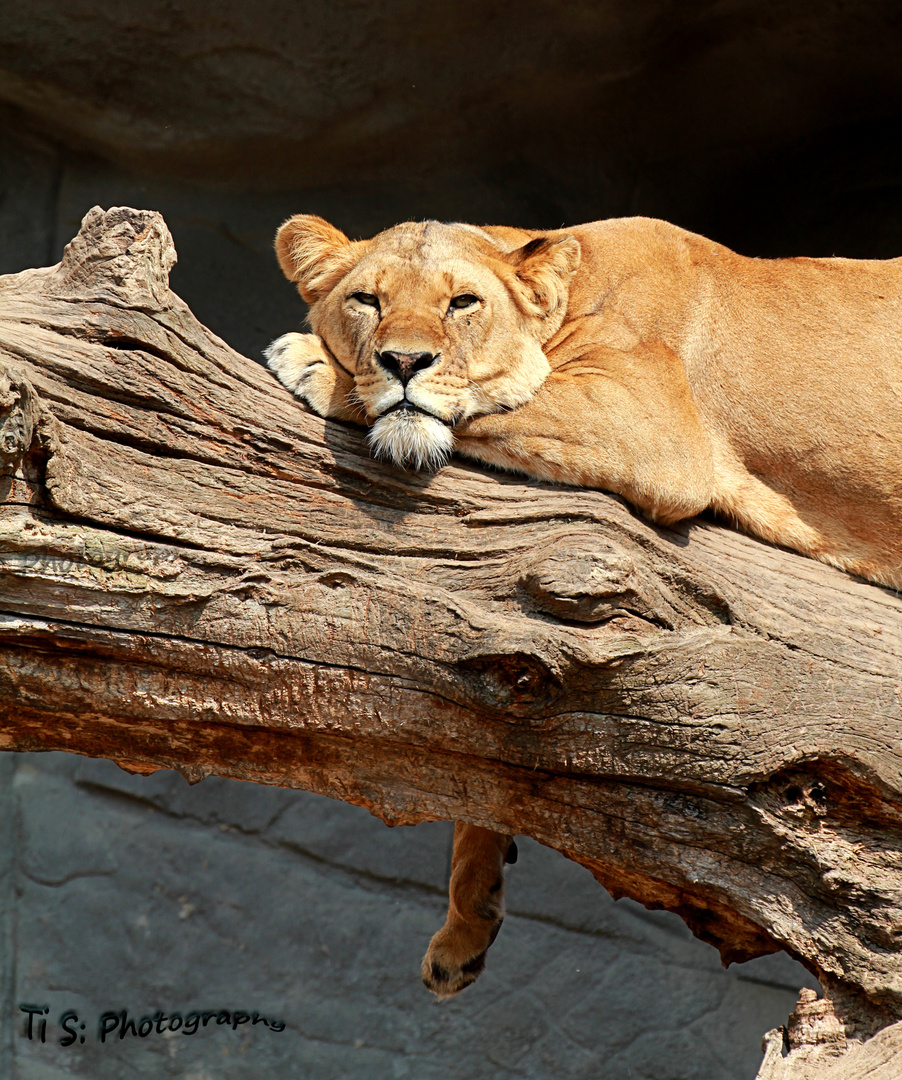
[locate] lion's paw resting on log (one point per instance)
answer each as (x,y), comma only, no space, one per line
(628,355)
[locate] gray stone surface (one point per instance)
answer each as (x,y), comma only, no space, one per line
(29,187)
(145,894)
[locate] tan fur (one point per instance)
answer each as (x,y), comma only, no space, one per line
(628,355)
(456,954)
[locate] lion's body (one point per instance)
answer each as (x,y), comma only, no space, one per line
(660,365)
(628,355)
(793,369)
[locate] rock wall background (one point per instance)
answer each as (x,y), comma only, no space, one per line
(770,126)
(146,894)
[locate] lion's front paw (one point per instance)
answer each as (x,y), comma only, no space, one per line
(301,362)
(293,357)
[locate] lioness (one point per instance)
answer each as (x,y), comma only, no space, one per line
(628,355)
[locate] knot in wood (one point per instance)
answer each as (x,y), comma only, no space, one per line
(814,1023)
(17,420)
(796,794)
(592,586)
(507,682)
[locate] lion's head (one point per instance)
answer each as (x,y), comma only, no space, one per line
(436,323)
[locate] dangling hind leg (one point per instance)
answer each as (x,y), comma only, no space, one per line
(456,954)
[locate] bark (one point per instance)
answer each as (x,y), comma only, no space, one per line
(196,573)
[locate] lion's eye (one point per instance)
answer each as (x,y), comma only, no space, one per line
(465,300)
(366,298)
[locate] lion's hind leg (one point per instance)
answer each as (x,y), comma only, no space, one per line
(456,954)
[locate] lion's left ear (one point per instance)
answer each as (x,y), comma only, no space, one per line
(543,269)
(315,254)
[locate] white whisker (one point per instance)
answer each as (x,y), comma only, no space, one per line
(411,440)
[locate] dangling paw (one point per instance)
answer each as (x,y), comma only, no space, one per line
(456,955)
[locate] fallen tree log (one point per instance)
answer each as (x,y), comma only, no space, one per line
(195,573)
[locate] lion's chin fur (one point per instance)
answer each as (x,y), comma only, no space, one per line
(412,440)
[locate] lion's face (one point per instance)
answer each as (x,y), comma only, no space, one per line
(437,323)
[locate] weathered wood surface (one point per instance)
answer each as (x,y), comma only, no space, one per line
(820,1051)
(195,573)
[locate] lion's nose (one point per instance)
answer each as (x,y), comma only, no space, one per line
(406,365)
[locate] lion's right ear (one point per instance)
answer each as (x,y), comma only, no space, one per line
(543,270)
(315,254)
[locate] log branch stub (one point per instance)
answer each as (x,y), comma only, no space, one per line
(197,573)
